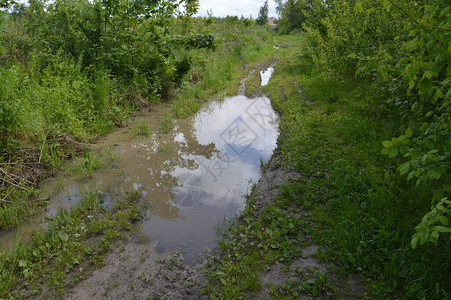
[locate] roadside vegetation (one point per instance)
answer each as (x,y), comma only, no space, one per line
(363,91)
(72,71)
(73,243)
(240,46)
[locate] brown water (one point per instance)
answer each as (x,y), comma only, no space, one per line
(192,178)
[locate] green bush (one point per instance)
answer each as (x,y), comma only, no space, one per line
(403,49)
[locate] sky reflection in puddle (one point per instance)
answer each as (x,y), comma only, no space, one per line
(190,178)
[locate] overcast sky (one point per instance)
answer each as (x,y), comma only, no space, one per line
(222,8)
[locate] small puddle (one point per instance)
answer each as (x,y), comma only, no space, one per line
(266,75)
(192,179)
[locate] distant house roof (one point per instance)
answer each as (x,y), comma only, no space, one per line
(272,22)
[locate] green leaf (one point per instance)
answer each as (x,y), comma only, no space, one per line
(441,229)
(386,4)
(404,168)
(410,176)
(414,241)
(448,94)
(443,220)
(358,8)
(393,152)
(434,237)
(429,74)
(63,236)
(438,94)
(409,132)
(22,263)
(387,144)
(434,174)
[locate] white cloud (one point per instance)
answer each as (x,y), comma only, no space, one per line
(222,8)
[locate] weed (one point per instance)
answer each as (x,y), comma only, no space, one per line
(263,163)
(132,195)
(88,165)
(53,252)
(167,123)
(314,287)
(112,156)
(143,130)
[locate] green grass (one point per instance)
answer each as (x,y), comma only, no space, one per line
(13,213)
(256,241)
(74,243)
(48,114)
(85,166)
(167,123)
(359,209)
(240,48)
(46,118)
(141,129)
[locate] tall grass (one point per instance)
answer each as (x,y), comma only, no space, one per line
(44,116)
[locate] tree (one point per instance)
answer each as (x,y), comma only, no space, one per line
(279,6)
(293,13)
(263,14)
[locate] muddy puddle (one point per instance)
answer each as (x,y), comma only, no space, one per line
(191,179)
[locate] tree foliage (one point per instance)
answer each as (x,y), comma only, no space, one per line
(293,13)
(132,42)
(263,14)
(129,38)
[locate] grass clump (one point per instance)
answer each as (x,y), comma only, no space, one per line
(167,123)
(258,240)
(143,130)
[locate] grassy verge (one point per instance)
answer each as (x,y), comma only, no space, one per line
(349,199)
(48,118)
(241,47)
(73,244)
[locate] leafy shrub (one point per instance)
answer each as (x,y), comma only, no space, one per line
(403,48)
